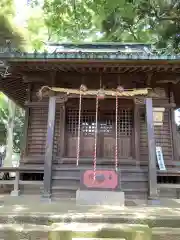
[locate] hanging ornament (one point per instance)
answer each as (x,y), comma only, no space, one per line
(101,94)
(83,88)
(120,89)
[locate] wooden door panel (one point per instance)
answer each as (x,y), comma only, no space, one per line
(71,146)
(124,147)
(87,147)
(109,147)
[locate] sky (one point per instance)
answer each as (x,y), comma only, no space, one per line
(21,12)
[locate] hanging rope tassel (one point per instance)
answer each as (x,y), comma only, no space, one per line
(95,136)
(116,144)
(79,129)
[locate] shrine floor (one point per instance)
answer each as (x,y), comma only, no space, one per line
(24,216)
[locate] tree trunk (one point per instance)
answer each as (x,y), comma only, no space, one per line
(9,139)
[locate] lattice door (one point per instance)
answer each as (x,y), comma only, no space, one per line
(106,133)
(87,132)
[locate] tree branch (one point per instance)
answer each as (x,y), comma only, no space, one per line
(132,32)
(168,18)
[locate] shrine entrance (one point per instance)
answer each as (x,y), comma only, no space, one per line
(106,130)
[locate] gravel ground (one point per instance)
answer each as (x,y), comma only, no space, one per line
(25,216)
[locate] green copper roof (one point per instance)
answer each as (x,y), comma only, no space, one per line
(99,47)
(96,51)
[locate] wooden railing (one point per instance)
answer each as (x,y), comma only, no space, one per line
(17,182)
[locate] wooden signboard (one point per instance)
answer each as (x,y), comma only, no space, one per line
(160,158)
(158,116)
(104,180)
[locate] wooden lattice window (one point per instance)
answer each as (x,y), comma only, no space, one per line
(106,122)
(125,122)
(87,122)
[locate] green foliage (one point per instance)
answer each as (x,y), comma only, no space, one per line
(152,21)
(9,32)
(35,29)
(18,123)
(18,129)
(68,20)
(7,7)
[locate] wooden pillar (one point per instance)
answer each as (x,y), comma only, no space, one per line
(62,129)
(49,147)
(16,190)
(152,172)
(137,132)
(24,144)
(174,136)
(61,100)
(173,129)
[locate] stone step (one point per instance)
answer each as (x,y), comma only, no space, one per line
(57,231)
(77,231)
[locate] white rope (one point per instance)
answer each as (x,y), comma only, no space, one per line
(79,130)
(116,143)
(95,137)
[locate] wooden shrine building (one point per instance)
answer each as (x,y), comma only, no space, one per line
(97,107)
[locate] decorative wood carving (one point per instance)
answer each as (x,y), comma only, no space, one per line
(139,100)
(61,98)
(157,93)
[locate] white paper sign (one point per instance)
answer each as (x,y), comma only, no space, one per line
(160,159)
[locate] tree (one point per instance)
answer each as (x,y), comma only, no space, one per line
(68,20)
(152,21)
(3,118)
(8,31)
(9,113)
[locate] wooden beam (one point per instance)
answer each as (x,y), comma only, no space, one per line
(165,105)
(30,104)
(49,148)
(151,150)
(168,186)
(34,79)
(137,133)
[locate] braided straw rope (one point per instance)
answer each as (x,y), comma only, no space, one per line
(125,93)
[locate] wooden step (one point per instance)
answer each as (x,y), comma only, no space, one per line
(65,178)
